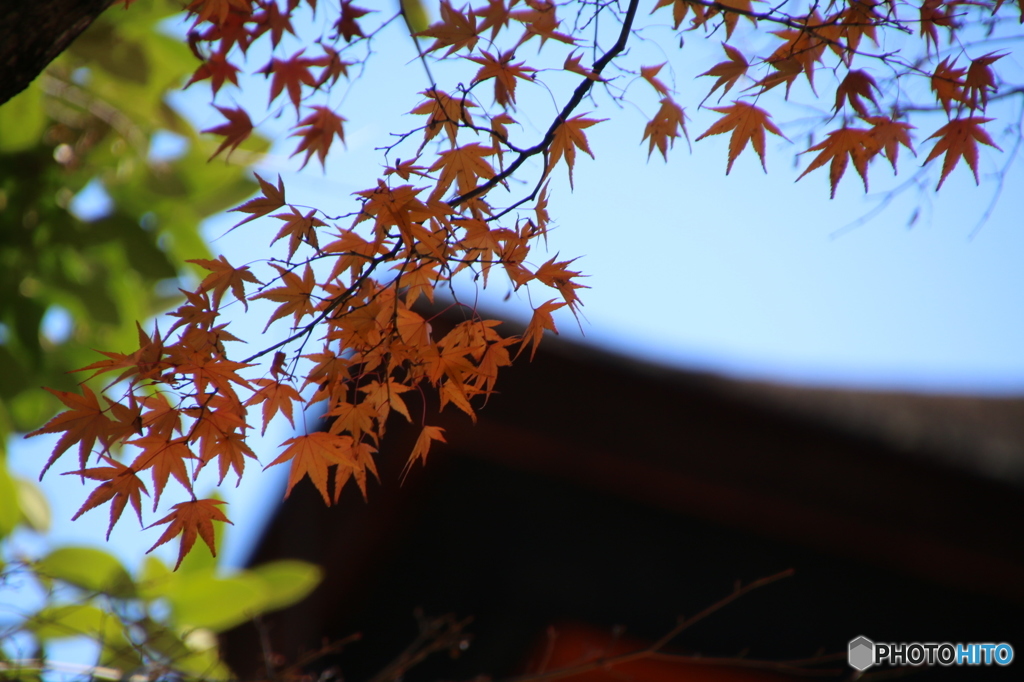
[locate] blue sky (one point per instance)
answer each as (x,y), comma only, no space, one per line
(751,275)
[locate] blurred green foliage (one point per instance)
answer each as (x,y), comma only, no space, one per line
(90,121)
(87,127)
(157,623)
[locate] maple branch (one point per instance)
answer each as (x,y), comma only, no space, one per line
(438,634)
(577,98)
(308,328)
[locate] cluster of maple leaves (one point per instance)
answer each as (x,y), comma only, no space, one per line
(349,289)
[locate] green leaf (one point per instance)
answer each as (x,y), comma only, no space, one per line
(76,620)
(10,513)
(35,511)
(205,601)
(91,569)
(156,579)
(288,581)
(22,121)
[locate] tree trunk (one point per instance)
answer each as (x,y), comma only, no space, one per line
(34,32)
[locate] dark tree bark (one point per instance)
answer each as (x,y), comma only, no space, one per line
(34,32)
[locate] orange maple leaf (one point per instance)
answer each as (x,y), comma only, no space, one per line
(572,63)
(857,84)
(299,228)
(558,276)
(405,169)
(446,113)
(568,136)
(456,31)
(462,165)
(412,328)
(207,370)
(960,138)
(190,519)
(650,74)
(540,20)
(801,51)
(292,74)
(747,124)
(384,397)
(84,423)
(727,72)
(680,8)
(419,282)
(197,311)
(540,321)
(272,199)
(120,485)
(311,455)
(889,135)
(166,457)
(446,361)
(354,419)
(321,127)
(224,276)
(496,16)
(729,17)
(276,396)
(665,127)
(841,146)
(230,451)
(422,447)
(295,297)
(859,19)
(360,459)
(235,131)
(504,74)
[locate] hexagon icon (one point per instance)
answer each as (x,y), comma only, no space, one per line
(862,653)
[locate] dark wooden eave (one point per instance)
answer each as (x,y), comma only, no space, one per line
(752,477)
(34,32)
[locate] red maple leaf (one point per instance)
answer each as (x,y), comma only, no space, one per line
(960,138)
(312,455)
(292,74)
(235,131)
(295,296)
(84,423)
(272,199)
(321,127)
(841,146)
(121,486)
(224,276)
(218,69)
(747,124)
(347,25)
(190,519)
